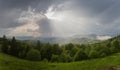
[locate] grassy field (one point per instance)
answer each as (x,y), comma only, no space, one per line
(12,63)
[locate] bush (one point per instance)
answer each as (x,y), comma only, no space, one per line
(33,55)
(93,54)
(65,58)
(55,58)
(45,60)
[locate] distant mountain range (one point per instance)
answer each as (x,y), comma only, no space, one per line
(76,39)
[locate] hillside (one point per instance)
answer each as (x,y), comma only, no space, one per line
(8,62)
(11,63)
(94,64)
(103,51)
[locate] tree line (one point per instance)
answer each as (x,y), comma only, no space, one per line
(37,51)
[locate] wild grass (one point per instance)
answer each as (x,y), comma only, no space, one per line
(8,62)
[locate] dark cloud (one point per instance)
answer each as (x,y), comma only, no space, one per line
(10,10)
(104,12)
(8,19)
(24,4)
(9,4)
(96,5)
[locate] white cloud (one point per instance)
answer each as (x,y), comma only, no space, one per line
(30,28)
(103,37)
(25,30)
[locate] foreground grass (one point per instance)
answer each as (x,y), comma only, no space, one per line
(8,62)
(11,63)
(94,64)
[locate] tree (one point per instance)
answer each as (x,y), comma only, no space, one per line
(5,45)
(33,55)
(108,44)
(38,46)
(80,55)
(46,52)
(93,54)
(56,50)
(104,51)
(115,46)
(23,50)
(73,51)
(69,46)
(14,50)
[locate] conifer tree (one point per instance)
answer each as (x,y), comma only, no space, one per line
(14,47)
(4,45)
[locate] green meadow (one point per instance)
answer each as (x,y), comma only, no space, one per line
(8,62)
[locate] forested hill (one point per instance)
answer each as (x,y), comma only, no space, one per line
(55,53)
(8,62)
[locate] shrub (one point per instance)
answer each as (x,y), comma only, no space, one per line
(93,54)
(65,58)
(45,60)
(55,58)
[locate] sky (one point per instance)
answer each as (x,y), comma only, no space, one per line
(59,18)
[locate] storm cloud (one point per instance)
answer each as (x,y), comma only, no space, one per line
(59,17)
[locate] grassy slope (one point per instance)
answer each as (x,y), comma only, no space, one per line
(11,63)
(95,64)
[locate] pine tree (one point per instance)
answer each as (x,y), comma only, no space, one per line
(4,45)
(14,47)
(38,46)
